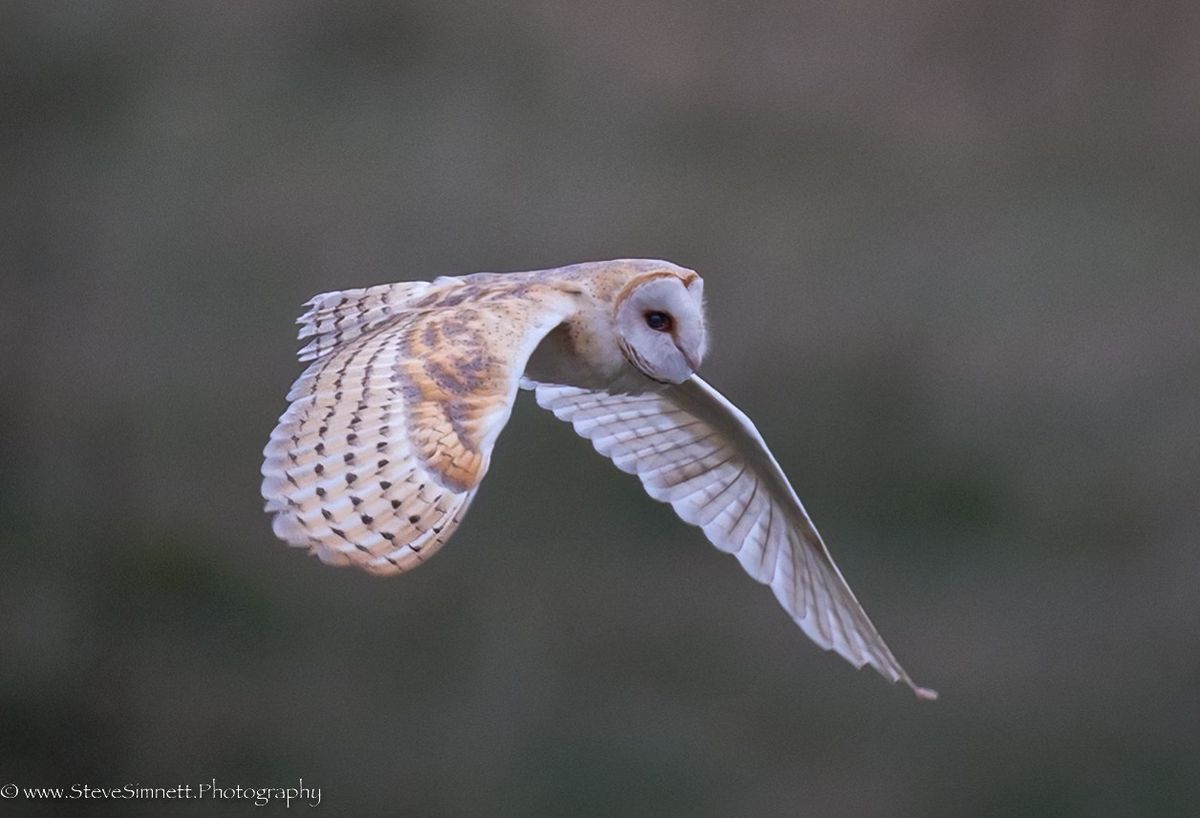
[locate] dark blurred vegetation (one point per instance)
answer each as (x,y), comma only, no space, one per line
(951,251)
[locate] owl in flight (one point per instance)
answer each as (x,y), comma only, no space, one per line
(390,429)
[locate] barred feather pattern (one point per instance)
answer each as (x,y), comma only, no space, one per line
(693,449)
(337,318)
(390,429)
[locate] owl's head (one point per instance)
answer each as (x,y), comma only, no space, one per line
(660,323)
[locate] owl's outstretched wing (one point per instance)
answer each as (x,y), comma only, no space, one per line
(693,449)
(391,427)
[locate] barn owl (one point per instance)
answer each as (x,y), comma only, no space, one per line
(390,429)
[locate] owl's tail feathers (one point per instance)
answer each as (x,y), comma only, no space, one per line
(334,318)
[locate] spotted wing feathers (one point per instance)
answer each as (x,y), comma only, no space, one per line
(337,318)
(390,429)
(693,449)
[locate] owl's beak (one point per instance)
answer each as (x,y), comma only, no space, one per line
(687,356)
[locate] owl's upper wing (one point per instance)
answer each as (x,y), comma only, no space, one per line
(693,449)
(391,427)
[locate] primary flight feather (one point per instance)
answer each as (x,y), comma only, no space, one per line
(390,429)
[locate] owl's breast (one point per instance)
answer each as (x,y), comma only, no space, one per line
(582,351)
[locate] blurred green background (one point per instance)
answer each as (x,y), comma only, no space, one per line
(951,260)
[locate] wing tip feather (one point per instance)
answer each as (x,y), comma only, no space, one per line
(925,694)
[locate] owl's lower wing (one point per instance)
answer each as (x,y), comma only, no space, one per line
(693,449)
(391,428)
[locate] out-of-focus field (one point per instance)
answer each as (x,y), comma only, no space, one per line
(951,253)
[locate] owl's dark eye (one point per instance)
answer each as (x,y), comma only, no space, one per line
(658,321)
